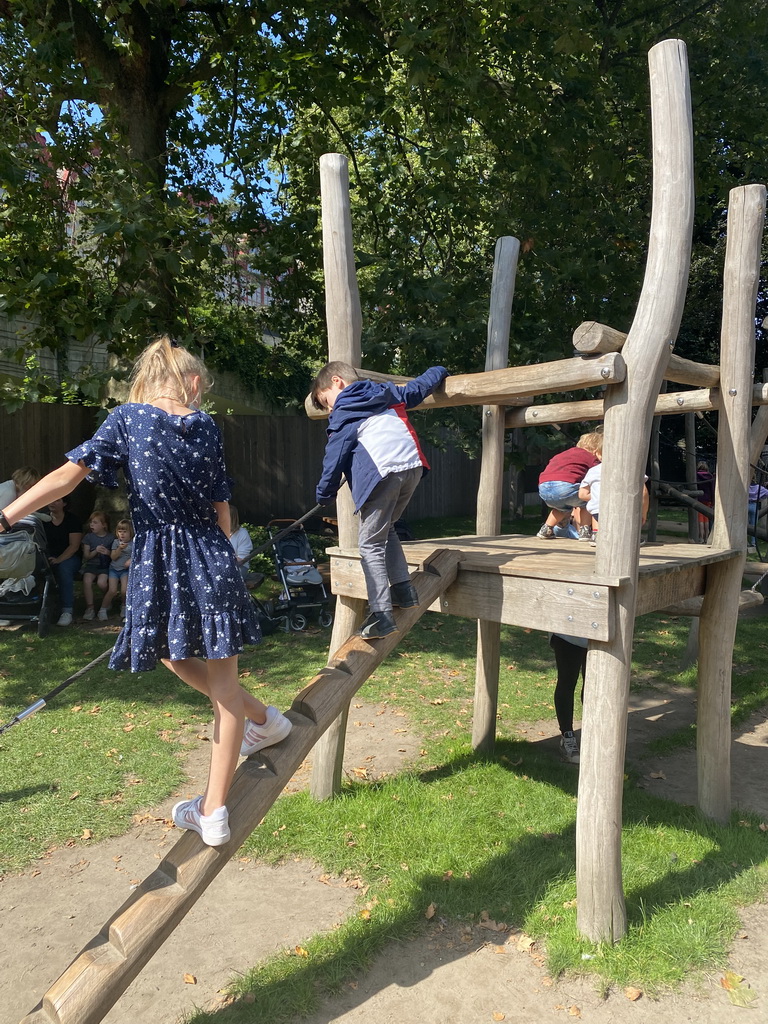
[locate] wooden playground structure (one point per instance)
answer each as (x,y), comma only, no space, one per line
(557,585)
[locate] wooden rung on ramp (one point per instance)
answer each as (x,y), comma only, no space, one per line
(106,966)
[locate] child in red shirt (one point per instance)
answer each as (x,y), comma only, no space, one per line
(559,485)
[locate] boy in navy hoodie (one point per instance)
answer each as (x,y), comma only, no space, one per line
(371,442)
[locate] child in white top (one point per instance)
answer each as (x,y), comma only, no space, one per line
(241,541)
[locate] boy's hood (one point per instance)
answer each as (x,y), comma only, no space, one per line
(362,397)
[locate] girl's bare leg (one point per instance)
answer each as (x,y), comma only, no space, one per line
(88,589)
(194,672)
(110,594)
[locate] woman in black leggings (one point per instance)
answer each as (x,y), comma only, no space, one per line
(571,661)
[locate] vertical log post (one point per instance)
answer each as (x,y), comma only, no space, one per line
(654,472)
(690,473)
(489,493)
(720,608)
(344,321)
(629,409)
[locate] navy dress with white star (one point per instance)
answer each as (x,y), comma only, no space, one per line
(186,597)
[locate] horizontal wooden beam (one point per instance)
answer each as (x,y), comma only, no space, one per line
(508,386)
(670,404)
(592,337)
(692,605)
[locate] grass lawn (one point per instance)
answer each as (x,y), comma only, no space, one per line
(468,835)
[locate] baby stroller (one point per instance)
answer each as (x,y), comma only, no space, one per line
(28,590)
(303,588)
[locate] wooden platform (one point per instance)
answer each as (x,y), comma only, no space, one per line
(548,585)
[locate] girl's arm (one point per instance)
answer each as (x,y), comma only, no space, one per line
(87,552)
(222,514)
(55,485)
(117,551)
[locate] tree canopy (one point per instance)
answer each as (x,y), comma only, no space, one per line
(190,133)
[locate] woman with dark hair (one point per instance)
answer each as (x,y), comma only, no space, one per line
(64,534)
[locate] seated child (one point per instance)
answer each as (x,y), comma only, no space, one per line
(97,557)
(117,575)
(240,540)
(589,492)
(371,442)
(559,485)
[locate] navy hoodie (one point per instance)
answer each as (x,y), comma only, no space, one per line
(370,435)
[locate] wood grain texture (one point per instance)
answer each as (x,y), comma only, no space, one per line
(719,613)
(489,493)
(601,914)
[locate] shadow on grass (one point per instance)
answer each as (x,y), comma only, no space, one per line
(510,886)
(24,793)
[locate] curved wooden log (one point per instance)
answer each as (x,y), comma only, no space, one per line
(592,337)
(506,387)
(629,409)
(105,967)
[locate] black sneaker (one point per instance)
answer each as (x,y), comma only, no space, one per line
(377,625)
(404,595)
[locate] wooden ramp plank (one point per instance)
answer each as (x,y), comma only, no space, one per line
(105,967)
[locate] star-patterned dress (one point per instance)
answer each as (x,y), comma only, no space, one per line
(185,597)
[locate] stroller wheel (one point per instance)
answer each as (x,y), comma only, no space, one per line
(297,621)
(325,618)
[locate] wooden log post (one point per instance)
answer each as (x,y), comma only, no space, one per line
(629,408)
(489,493)
(719,612)
(690,473)
(344,321)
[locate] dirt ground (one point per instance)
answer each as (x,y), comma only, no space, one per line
(454,975)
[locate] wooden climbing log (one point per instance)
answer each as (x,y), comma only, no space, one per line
(105,967)
(629,408)
(505,387)
(344,322)
(719,613)
(692,605)
(592,337)
(489,493)
(670,404)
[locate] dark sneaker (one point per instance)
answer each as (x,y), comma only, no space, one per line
(569,748)
(377,625)
(585,533)
(404,595)
(546,533)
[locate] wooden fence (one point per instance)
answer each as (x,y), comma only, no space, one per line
(274,461)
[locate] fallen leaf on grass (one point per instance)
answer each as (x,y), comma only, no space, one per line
(448,876)
(75,795)
(487,922)
(738,993)
(365,915)
(300,951)
(525,943)
(632,994)
(77,707)
(190,979)
(658,775)
(499,1016)
(574,1011)
(129,728)
(87,834)
(430,912)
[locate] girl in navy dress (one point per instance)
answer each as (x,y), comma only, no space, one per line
(186,599)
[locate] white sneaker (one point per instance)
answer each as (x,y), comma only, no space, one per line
(213,828)
(65,619)
(122,611)
(89,614)
(569,748)
(103,615)
(256,737)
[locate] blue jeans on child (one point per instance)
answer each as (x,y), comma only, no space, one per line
(561,495)
(65,573)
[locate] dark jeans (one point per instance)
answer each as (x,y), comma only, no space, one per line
(65,573)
